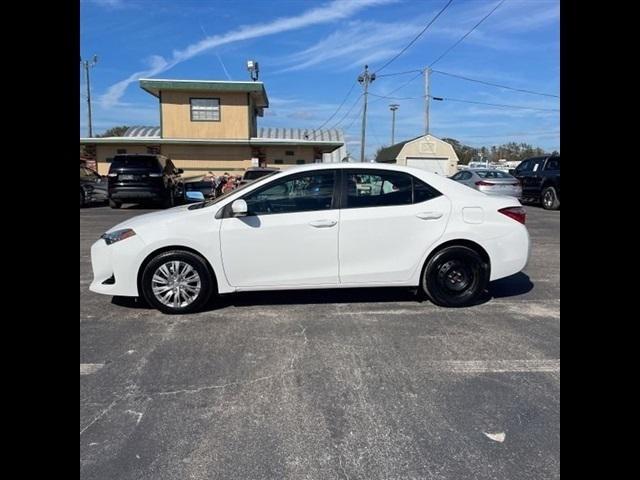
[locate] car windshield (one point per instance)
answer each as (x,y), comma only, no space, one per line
(135,162)
(219,198)
(492,174)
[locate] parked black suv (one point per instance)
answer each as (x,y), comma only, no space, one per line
(142,178)
(540,179)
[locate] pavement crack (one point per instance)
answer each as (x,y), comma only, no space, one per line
(214,387)
(100,415)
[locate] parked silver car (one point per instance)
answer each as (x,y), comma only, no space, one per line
(490,181)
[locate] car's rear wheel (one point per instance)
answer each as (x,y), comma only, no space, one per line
(177,282)
(455,276)
(114,204)
(550,199)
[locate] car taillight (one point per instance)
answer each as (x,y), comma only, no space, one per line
(155,175)
(484,184)
(112,175)
(517,213)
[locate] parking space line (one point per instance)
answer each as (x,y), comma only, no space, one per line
(494,366)
(89,368)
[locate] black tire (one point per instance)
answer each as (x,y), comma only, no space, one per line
(199,265)
(114,204)
(550,199)
(83,199)
(455,276)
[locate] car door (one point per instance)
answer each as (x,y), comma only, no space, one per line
(386,229)
(537,176)
(289,237)
(523,172)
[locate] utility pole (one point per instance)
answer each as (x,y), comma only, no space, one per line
(364,79)
(86,66)
(393,107)
(427,97)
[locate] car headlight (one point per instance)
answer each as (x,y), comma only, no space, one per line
(116,236)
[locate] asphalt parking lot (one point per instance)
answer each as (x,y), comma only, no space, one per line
(341,384)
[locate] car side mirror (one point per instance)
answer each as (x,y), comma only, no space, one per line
(179,171)
(194,196)
(239,208)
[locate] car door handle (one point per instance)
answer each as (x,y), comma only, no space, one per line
(429,215)
(323,223)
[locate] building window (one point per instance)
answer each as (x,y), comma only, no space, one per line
(205,110)
(289,153)
(299,162)
(121,151)
(278,161)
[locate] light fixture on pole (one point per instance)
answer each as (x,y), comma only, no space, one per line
(393,107)
(254,70)
(86,64)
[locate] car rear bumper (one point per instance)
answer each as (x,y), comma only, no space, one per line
(504,192)
(120,261)
(510,253)
(135,193)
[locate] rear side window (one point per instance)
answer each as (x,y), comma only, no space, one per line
(381,189)
(525,166)
(553,164)
(147,163)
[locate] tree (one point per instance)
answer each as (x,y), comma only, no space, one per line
(115,132)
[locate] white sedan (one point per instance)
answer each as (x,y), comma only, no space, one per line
(318,226)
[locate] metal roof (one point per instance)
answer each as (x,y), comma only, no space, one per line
(313,135)
(256,89)
(140,131)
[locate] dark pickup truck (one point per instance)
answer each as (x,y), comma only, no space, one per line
(540,179)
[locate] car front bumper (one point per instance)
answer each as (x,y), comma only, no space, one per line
(119,260)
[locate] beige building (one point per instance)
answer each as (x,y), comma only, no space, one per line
(426,152)
(212,126)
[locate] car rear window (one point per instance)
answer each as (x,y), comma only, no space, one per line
(148,163)
(492,174)
(254,174)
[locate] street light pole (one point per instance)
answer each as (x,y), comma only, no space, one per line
(393,107)
(365,79)
(86,66)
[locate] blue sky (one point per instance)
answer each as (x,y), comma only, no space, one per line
(310,53)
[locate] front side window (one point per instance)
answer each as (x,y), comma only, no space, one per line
(205,110)
(302,193)
(525,166)
(465,176)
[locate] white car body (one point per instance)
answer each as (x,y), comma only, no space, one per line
(335,248)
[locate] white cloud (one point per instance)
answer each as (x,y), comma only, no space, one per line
(334,10)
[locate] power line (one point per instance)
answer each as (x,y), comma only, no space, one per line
(416,37)
(396,89)
(498,104)
(468,101)
(339,106)
(495,84)
(466,34)
(399,73)
(354,119)
(335,125)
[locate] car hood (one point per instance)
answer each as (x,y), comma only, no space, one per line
(154,218)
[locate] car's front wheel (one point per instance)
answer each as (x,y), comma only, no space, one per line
(455,276)
(177,281)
